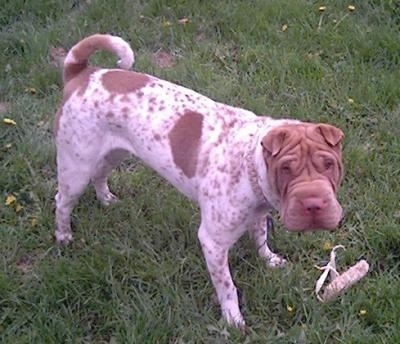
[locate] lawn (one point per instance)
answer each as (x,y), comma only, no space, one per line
(135,273)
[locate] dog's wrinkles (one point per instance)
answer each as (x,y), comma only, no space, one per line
(220,156)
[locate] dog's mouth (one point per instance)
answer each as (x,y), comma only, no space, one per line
(311,211)
(305,224)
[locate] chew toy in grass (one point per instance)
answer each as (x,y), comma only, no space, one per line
(339,282)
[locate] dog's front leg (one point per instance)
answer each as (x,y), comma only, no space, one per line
(216,256)
(259,233)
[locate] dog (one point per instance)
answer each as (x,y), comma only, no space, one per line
(236,165)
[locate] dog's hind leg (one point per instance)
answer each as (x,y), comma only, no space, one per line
(103,169)
(72,180)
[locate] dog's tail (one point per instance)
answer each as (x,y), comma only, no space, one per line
(77,58)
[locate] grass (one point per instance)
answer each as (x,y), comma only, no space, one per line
(134,273)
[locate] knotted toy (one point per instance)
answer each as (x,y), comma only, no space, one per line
(338,282)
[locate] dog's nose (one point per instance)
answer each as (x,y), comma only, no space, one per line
(313,205)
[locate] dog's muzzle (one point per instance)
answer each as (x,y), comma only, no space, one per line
(311,206)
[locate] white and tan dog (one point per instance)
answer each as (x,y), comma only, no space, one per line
(237,166)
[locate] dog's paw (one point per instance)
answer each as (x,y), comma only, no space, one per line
(107,199)
(63,238)
(234,319)
(275,261)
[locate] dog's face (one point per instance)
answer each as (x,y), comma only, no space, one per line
(305,170)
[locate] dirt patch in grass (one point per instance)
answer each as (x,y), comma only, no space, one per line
(3,107)
(163,59)
(57,56)
(27,263)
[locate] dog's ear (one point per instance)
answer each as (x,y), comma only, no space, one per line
(274,141)
(332,135)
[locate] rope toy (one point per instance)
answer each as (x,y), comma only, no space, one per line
(338,282)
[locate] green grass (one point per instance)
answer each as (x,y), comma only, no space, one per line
(135,273)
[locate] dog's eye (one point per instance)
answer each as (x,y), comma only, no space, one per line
(285,168)
(328,163)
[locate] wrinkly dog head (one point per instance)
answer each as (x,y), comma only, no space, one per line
(305,170)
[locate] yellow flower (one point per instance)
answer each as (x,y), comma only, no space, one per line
(327,246)
(351,8)
(30,90)
(167,23)
(183,21)
(10,200)
(284,27)
(362,312)
(322,8)
(9,121)
(290,309)
(350,100)
(18,208)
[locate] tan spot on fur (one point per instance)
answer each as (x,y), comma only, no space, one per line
(125,112)
(77,84)
(80,83)
(123,82)
(82,52)
(56,124)
(185,139)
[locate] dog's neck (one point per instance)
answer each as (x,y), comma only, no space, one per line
(257,171)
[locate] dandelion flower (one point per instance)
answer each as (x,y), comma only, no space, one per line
(183,21)
(9,121)
(351,8)
(30,90)
(290,309)
(327,246)
(10,200)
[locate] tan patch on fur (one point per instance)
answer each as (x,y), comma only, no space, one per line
(82,52)
(122,82)
(56,124)
(79,84)
(185,142)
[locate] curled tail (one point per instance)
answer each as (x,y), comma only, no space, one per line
(77,58)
